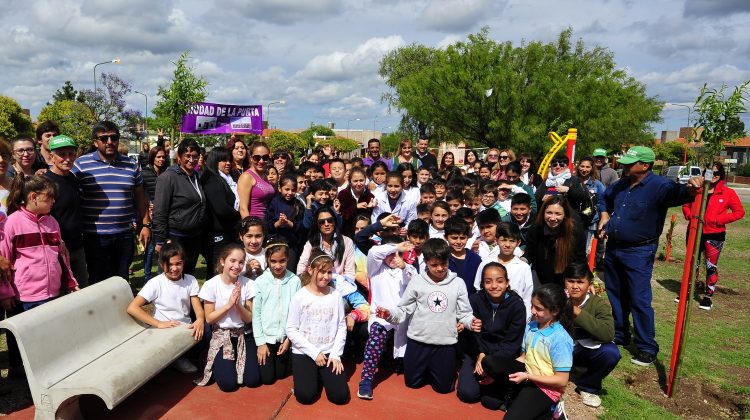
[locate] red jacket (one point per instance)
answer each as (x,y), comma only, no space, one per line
(717,214)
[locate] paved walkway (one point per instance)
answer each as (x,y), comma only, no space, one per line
(171,395)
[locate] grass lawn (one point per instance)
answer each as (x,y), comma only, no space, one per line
(715,372)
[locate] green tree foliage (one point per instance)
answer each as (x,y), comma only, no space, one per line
(673,153)
(719,117)
(182,93)
(308,135)
(498,94)
(66,93)
(13,122)
(74,118)
(284,140)
(389,142)
(341,144)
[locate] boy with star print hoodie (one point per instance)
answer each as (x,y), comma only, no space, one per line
(437,302)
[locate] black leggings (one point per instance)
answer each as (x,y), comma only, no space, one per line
(276,367)
(225,371)
(529,402)
(308,377)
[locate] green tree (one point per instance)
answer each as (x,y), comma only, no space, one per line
(719,117)
(74,118)
(673,153)
(389,142)
(308,136)
(183,92)
(66,93)
(342,144)
(284,140)
(498,94)
(13,122)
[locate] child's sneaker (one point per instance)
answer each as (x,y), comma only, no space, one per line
(365,390)
(591,400)
(184,366)
(706,303)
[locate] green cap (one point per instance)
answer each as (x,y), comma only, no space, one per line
(600,152)
(638,154)
(61,141)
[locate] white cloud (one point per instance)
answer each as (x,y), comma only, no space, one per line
(286,12)
(458,15)
(364,60)
(449,40)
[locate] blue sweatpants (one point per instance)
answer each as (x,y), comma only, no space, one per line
(430,362)
(628,272)
(598,362)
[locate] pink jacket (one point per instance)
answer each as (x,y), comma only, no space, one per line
(32,244)
(6,289)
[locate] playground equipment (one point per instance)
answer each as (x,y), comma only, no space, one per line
(558,142)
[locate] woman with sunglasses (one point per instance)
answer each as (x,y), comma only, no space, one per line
(505,156)
(240,160)
(253,187)
(325,235)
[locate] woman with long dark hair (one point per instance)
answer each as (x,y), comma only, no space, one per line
(447,161)
(355,200)
(325,234)
(157,164)
(470,158)
(528,171)
(240,159)
(220,199)
(556,241)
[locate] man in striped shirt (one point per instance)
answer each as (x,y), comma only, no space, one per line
(112,197)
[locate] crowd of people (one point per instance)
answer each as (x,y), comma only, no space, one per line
(468,278)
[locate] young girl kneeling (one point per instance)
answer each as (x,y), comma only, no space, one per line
(317,330)
(228,304)
(538,377)
(274,290)
(172,294)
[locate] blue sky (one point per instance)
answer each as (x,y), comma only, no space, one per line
(321,56)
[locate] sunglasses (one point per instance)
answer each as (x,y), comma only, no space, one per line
(560,163)
(503,157)
(264,158)
(330,220)
(104,137)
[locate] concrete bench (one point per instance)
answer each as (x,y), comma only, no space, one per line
(86,343)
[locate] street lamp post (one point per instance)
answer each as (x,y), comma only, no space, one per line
(348,124)
(268,110)
(115,61)
(145,123)
(687,138)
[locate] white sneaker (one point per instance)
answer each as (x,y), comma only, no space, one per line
(592,400)
(184,366)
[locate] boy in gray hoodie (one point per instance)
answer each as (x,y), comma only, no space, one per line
(436,300)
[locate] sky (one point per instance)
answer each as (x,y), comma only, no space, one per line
(321,56)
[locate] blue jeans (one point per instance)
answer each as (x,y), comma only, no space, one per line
(148,260)
(108,255)
(598,363)
(628,272)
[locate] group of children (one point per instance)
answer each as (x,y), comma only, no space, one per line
(440,267)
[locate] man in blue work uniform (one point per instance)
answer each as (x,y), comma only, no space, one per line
(636,207)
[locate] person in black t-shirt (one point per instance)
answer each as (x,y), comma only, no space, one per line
(67,207)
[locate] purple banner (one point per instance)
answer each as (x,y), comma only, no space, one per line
(209,118)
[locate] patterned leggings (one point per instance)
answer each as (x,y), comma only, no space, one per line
(713,250)
(373,350)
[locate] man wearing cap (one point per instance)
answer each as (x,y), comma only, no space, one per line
(607,175)
(636,207)
(67,207)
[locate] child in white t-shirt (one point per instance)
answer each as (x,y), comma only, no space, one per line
(228,303)
(172,293)
(317,329)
